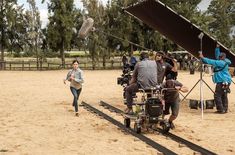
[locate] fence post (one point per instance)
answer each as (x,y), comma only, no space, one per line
(112,62)
(40,64)
(2,65)
(23,65)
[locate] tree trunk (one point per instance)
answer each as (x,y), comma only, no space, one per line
(36,50)
(62,54)
(131,52)
(2,51)
(93,62)
(104,61)
(2,58)
(2,36)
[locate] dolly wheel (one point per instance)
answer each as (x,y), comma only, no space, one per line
(165,127)
(137,128)
(127,122)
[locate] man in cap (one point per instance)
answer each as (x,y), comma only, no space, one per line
(222,78)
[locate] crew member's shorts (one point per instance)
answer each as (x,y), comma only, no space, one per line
(174,108)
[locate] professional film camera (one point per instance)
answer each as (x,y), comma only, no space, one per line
(125,77)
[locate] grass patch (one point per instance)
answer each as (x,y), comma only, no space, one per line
(77,53)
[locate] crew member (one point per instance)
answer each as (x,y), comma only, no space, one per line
(165,68)
(222,78)
(144,76)
(171,98)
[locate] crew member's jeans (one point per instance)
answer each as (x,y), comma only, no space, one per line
(129,91)
(76,93)
(221,98)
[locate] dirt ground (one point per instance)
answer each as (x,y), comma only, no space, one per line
(36,117)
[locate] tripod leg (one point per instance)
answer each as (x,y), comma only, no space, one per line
(233,82)
(190,91)
(208,86)
(181,94)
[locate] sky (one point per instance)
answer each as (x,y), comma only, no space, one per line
(43,7)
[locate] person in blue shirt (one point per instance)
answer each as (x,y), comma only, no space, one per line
(222,79)
(133,62)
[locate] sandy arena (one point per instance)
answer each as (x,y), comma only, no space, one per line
(36,117)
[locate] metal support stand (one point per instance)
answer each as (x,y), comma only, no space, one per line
(200,36)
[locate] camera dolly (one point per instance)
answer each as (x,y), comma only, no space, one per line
(149,111)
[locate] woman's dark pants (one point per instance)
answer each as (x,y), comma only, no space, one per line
(76,93)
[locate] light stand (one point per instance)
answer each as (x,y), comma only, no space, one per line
(200,36)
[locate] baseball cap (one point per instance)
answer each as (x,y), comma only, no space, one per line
(222,54)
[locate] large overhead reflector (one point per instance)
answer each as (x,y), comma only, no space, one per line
(176,28)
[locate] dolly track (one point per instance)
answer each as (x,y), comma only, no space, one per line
(143,138)
(178,139)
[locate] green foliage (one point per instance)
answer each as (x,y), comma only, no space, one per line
(12,27)
(222,12)
(77,42)
(183,7)
(20,30)
(51,54)
(96,40)
(28,53)
(61,17)
(75,54)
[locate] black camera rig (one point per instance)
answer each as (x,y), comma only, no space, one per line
(125,77)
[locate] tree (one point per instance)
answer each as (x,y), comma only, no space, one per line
(185,8)
(6,11)
(120,25)
(97,39)
(222,13)
(60,28)
(34,29)
(16,30)
(189,10)
(44,45)
(13,27)
(77,42)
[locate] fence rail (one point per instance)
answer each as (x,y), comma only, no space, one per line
(26,65)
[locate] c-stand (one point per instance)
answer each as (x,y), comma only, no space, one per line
(200,36)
